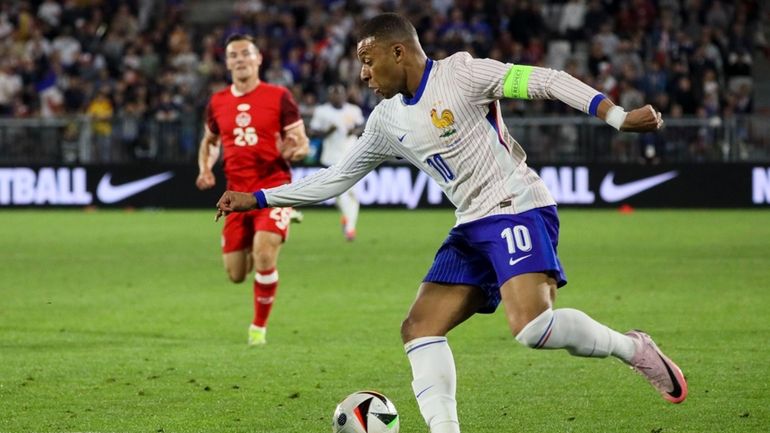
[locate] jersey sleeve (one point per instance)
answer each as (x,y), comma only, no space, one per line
(486,80)
(480,80)
(290,116)
(370,150)
(545,83)
(211,121)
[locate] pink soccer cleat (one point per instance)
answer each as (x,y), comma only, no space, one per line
(660,371)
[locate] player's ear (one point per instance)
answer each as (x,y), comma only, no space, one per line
(398,51)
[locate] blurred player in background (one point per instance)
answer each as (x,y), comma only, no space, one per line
(260,129)
(339,123)
(444,117)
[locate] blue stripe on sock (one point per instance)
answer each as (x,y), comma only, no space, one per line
(594,105)
(547,329)
(423,391)
(427,343)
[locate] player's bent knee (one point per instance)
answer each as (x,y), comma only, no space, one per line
(236,278)
(235,275)
(407,330)
(536,332)
(264,260)
(411,329)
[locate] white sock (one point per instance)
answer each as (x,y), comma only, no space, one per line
(435,382)
(348,205)
(571,329)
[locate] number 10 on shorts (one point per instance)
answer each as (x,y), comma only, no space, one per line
(517,238)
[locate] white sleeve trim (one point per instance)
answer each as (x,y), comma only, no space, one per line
(293,125)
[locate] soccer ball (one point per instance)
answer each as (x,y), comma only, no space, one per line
(365,412)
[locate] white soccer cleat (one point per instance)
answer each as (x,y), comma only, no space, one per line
(659,370)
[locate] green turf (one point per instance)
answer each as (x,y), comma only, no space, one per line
(124,322)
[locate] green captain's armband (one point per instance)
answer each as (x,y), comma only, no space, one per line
(516,81)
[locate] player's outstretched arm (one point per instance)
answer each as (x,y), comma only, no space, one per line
(233,201)
(532,82)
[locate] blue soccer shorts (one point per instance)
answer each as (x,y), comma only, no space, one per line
(488,252)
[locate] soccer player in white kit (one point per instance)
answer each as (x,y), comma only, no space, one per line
(339,123)
(443,117)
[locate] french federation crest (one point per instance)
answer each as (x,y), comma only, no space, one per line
(443,122)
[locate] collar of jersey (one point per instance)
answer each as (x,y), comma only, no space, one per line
(423,81)
(238,94)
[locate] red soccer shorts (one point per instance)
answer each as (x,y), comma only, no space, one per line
(240,227)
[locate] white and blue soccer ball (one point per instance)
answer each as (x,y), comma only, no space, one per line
(365,412)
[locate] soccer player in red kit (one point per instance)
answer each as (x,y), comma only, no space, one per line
(261,131)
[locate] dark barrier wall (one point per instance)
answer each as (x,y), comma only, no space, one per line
(173,186)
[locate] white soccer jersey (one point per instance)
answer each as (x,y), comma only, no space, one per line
(452,130)
(345,118)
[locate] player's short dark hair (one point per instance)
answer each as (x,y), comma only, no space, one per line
(388,26)
(241,37)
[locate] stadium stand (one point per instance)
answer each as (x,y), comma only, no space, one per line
(119,81)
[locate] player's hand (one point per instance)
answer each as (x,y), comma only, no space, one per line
(232,201)
(645,119)
(292,148)
(205,180)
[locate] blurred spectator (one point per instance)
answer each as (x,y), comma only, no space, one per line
(572,20)
(607,39)
(57,55)
(101,111)
(131,126)
(124,24)
(526,21)
(277,74)
(596,57)
(67,48)
(6,26)
(167,115)
(10,87)
(50,12)
(74,96)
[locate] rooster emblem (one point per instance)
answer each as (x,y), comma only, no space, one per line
(444,122)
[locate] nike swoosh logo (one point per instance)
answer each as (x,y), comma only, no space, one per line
(677,391)
(401,138)
(513,262)
(611,192)
(106,192)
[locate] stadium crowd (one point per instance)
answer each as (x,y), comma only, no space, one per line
(139,64)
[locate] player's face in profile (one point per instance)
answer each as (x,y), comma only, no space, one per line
(378,68)
(243,59)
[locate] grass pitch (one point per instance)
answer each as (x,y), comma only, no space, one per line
(124,322)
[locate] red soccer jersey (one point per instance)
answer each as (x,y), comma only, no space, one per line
(247,125)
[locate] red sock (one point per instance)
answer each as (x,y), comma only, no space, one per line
(265,285)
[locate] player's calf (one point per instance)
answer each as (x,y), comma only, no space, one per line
(575,331)
(538,331)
